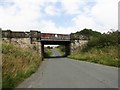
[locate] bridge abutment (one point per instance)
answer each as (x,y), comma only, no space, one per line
(67,49)
(42,51)
(77,44)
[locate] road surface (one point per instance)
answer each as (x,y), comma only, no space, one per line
(69,73)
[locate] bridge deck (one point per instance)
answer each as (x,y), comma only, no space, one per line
(54,37)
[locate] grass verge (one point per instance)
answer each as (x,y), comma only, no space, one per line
(47,52)
(106,56)
(17,64)
(61,52)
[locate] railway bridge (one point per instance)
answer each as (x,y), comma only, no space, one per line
(70,41)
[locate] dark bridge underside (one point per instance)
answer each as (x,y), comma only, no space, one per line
(48,42)
(55,42)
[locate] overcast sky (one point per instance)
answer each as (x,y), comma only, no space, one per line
(59,16)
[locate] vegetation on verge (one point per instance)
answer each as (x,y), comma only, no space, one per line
(47,51)
(101,48)
(17,64)
(61,49)
(106,56)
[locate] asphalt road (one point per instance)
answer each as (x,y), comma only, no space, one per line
(69,73)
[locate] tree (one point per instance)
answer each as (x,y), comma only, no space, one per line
(89,33)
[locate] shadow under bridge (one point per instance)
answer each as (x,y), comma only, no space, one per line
(55,39)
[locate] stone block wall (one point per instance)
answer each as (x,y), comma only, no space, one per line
(75,44)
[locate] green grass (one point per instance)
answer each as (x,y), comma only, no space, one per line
(47,52)
(106,56)
(61,52)
(17,64)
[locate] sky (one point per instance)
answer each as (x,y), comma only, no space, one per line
(59,16)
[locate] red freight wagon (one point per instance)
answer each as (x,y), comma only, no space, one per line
(47,35)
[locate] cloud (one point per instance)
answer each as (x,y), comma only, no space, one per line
(19,15)
(100,15)
(51,10)
(82,22)
(106,13)
(71,6)
(50,27)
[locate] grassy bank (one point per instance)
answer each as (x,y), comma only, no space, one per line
(61,49)
(47,52)
(17,64)
(61,52)
(107,56)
